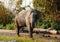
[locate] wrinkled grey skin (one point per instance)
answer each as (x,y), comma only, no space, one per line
(26,18)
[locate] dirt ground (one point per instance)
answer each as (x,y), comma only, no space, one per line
(46,37)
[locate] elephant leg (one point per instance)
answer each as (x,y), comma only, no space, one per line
(31,29)
(17,31)
(31,32)
(28,24)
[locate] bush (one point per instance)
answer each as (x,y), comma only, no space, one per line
(48,9)
(6,15)
(1,25)
(10,26)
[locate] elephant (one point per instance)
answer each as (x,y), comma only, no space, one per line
(26,18)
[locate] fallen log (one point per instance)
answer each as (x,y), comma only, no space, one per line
(37,30)
(45,31)
(34,30)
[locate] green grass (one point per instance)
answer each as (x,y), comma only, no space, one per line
(24,39)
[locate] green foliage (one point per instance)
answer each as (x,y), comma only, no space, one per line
(10,26)
(19,8)
(6,15)
(48,9)
(39,4)
(1,25)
